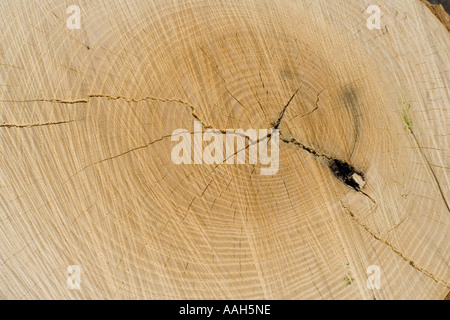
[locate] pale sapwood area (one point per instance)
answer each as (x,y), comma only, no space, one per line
(86,176)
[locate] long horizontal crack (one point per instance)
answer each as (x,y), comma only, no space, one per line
(342,170)
(118,97)
(109,97)
(49,100)
(31,125)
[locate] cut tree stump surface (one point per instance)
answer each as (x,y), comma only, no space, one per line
(87,179)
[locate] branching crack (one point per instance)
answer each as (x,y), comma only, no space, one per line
(342,170)
(109,97)
(118,97)
(316,107)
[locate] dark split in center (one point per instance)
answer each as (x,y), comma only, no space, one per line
(347,174)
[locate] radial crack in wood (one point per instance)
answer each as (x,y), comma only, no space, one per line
(90,117)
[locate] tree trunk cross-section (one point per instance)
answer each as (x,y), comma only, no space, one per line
(87,178)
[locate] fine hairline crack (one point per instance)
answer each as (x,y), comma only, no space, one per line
(277,123)
(31,125)
(392,247)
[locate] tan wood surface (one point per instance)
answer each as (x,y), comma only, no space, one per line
(86,176)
